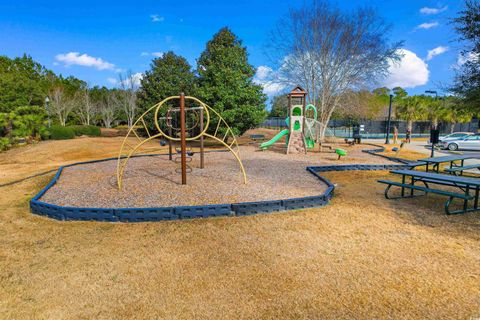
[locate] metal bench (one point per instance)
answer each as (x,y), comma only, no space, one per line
(256,137)
(426,190)
(459,170)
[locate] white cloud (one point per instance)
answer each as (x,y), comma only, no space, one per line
(112,80)
(75,58)
(427,10)
(156,18)
(268,79)
(155,54)
(263,72)
(409,72)
(136,78)
(435,52)
(464,58)
(427,25)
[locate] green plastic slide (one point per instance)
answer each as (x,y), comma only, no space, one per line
(277,137)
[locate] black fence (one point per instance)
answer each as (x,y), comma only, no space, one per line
(378,128)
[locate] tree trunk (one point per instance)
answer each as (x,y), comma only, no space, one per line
(452,127)
(321,136)
(409,125)
(9,129)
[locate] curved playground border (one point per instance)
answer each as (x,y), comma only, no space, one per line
(66,213)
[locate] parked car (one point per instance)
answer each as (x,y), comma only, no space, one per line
(453,136)
(469,142)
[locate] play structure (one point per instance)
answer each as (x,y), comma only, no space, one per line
(303,131)
(178,124)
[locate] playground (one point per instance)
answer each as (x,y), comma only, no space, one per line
(148,182)
(348,253)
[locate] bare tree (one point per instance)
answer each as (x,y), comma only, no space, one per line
(85,107)
(108,108)
(329,52)
(60,104)
(361,104)
(129,85)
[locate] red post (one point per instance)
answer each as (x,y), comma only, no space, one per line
(183,138)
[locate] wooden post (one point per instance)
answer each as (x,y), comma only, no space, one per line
(183,138)
(202,160)
(169,144)
(290,111)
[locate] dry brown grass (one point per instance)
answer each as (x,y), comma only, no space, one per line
(404,153)
(361,257)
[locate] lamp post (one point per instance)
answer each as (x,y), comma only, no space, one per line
(387,139)
(432,92)
(47,100)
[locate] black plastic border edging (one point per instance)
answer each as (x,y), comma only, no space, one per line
(186,212)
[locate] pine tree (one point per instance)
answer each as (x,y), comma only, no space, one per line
(226,82)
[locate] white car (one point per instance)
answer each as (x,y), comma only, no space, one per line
(470,142)
(453,136)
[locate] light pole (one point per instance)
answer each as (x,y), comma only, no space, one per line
(387,139)
(432,92)
(47,100)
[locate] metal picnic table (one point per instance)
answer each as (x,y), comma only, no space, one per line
(436,161)
(466,184)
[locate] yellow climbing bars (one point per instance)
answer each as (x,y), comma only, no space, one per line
(222,130)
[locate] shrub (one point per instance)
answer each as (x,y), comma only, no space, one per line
(92,131)
(28,121)
(61,133)
(4,144)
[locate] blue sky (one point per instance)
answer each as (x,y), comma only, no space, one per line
(94,40)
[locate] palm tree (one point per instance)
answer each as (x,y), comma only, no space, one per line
(453,113)
(409,109)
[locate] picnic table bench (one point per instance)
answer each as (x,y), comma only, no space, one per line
(458,170)
(452,159)
(465,184)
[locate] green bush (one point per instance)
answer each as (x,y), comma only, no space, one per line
(91,131)
(26,122)
(61,133)
(4,144)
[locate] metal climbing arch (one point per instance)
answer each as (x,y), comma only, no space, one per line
(222,133)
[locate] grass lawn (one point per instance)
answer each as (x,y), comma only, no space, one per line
(360,257)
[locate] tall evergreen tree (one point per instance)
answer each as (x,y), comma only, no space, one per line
(23,82)
(169,75)
(226,82)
